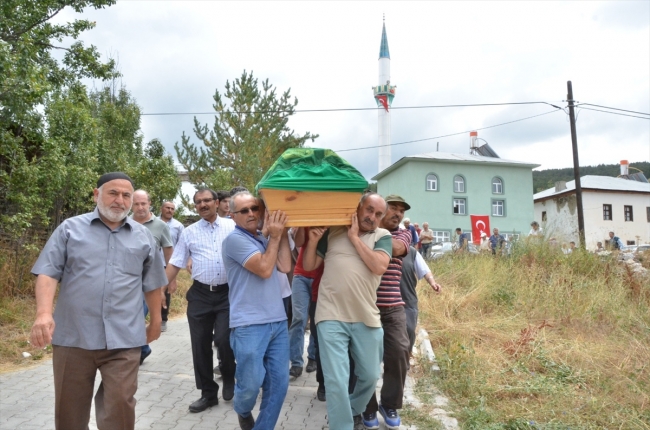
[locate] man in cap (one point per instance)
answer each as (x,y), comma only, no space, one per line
(105,262)
(393,321)
(413,230)
(347,318)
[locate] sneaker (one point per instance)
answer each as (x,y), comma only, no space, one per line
(295,371)
(358,423)
(391,418)
(163,326)
(246,423)
(370,420)
(311,365)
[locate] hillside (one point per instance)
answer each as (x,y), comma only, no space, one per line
(544,179)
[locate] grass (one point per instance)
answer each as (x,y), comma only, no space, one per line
(540,340)
(17,312)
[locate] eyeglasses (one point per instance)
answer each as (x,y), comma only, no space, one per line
(246,210)
(198,202)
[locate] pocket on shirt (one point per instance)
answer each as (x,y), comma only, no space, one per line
(134,260)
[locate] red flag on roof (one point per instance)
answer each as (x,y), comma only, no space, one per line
(480,226)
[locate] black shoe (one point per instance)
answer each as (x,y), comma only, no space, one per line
(246,423)
(320,394)
(203,403)
(358,423)
(144,355)
(228,388)
(295,371)
(311,366)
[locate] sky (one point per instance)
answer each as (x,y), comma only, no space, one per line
(174,54)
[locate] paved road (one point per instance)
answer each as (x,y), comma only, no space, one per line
(166,389)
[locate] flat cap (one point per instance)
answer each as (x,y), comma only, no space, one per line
(394,198)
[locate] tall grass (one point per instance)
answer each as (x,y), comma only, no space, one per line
(540,339)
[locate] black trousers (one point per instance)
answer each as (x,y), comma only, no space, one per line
(208,311)
(164,312)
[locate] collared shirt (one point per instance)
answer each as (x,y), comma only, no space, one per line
(160,231)
(253,299)
(497,240)
(175,228)
(202,241)
(103,274)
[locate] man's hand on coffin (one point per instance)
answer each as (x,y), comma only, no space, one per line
(276,222)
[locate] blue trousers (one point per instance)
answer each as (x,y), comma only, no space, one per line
(262,355)
(300,300)
(365,345)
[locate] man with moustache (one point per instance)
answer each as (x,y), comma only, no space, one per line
(393,321)
(258,322)
(208,308)
(175,228)
(104,262)
(161,234)
(347,318)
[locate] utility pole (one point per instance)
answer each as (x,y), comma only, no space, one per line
(576,165)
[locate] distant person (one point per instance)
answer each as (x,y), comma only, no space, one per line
(615,242)
(414,233)
(572,246)
(208,308)
(535,230)
(104,261)
(258,322)
(223,210)
(599,247)
(463,240)
(167,211)
(426,239)
(161,234)
(497,241)
(485,243)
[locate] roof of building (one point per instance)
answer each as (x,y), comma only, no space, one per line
(593,182)
(454,158)
(383,49)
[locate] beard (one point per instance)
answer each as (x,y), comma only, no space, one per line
(109,214)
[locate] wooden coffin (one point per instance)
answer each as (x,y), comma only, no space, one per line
(312,208)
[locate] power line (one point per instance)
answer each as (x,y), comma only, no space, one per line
(607,107)
(452,134)
(348,109)
(614,113)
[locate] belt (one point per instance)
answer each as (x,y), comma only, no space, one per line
(212,288)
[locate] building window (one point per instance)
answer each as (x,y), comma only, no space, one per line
(543,216)
(647,213)
(441,236)
(627,211)
(630,242)
(607,212)
(460,206)
(497,186)
(498,207)
(459,184)
(432,182)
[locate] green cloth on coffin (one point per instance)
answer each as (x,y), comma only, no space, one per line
(312,169)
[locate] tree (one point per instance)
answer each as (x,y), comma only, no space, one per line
(250,132)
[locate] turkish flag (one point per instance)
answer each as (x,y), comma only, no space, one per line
(480,224)
(384,101)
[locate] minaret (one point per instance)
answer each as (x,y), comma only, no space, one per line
(384,94)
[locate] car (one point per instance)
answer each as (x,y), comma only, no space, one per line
(439,249)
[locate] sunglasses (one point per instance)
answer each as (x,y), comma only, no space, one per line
(246,210)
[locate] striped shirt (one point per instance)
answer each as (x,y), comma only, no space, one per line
(202,241)
(388,293)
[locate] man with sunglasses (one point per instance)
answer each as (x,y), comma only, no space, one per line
(208,307)
(259,335)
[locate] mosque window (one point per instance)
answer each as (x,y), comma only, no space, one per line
(497,185)
(459,184)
